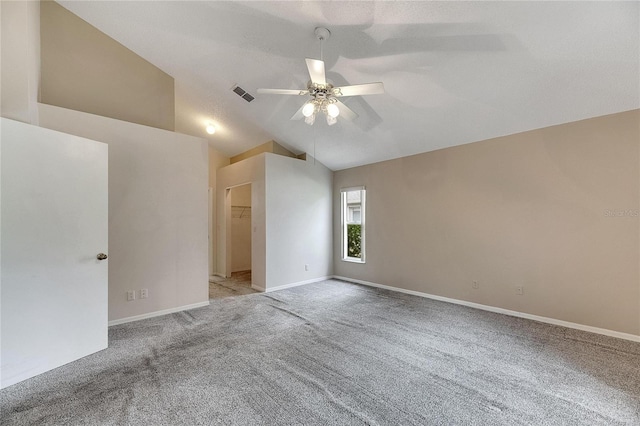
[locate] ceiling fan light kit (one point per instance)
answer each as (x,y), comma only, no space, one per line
(324,96)
(324,104)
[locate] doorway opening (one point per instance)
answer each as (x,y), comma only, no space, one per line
(239,234)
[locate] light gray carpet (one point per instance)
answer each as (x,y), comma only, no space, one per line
(238,284)
(334,353)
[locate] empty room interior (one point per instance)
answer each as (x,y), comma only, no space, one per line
(314,213)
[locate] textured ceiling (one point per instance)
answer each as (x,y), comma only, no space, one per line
(454,72)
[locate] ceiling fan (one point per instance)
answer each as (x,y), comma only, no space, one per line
(324,96)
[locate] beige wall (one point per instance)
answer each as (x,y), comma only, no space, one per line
(271,146)
(20,60)
(539,209)
(85,70)
(241,196)
(157,211)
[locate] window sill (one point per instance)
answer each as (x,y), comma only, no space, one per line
(352,260)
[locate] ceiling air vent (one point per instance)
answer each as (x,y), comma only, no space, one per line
(242,93)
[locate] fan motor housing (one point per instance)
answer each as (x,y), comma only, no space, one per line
(320,90)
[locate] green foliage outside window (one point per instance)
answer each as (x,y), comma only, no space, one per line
(354,240)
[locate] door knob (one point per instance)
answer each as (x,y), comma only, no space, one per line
(101,256)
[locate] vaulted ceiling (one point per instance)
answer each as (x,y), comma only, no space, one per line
(454,72)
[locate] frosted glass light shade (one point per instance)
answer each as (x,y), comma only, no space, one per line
(333,110)
(308,109)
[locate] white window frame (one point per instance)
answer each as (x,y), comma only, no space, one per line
(344,222)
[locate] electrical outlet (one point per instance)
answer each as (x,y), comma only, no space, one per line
(144,293)
(131,295)
(306,267)
(475,285)
(519,290)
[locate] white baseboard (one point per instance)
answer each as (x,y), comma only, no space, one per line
(158,313)
(603,331)
(296,284)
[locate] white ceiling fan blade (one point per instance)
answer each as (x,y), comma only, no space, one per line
(345,111)
(298,115)
(359,89)
(283,92)
(316,71)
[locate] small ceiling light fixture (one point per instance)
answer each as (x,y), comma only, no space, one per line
(210,128)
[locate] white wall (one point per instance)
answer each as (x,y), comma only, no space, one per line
(290,216)
(20,60)
(299,220)
(216,161)
(157,211)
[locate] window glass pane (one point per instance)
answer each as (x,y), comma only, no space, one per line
(354,240)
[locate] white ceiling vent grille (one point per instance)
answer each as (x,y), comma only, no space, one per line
(242,93)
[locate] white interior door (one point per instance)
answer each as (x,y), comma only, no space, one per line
(53,289)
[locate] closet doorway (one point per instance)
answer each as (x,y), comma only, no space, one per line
(238,280)
(241,229)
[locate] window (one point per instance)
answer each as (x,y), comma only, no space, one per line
(353,213)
